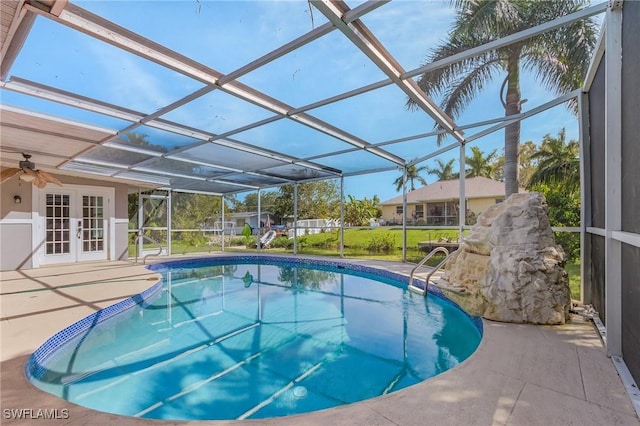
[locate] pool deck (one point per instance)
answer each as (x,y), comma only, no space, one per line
(520,374)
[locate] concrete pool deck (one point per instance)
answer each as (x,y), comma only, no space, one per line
(520,374)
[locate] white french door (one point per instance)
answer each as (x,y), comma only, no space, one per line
(74,224)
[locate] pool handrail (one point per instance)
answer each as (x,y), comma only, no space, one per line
(417,289)
(144,237)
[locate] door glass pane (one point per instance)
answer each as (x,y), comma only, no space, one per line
(57,224)
(93,222)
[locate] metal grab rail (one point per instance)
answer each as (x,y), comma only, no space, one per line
(144,237)
(438,266)
(421,263)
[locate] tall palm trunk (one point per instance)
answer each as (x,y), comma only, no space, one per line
(512,131)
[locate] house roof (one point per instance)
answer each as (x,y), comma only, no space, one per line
(476,187)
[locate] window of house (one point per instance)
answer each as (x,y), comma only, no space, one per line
(419,211)
(398,209)
(442,213)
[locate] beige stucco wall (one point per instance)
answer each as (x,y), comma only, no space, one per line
(480,205)
(15,225)
(121,190)
(8,208)
(476,205)
(16,220)
(389,213)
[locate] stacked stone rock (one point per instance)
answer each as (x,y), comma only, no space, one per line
(509,268)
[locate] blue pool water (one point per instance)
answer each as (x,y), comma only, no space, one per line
(254,337)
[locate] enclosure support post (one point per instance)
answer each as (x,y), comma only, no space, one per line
(462,203)
(169,201)
(341,216)
(295,218)
(140,244)
(258,245)
(222,233)
(585,195)
(404,214)
(613,178)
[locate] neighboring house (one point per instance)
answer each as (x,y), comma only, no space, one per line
(437,203)
(251,218)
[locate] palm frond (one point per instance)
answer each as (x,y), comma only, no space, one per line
(464,89)
(565,173)
(481,17)
(436,81)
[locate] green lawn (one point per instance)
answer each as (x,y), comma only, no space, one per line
(362,238)
(573,270)
(376,243)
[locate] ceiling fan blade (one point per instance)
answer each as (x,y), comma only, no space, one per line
(37,180)
(40,183)
(47,177)
(8,173)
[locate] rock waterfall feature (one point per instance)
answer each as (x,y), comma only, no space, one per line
(510,268)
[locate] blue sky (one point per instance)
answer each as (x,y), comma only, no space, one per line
(225,35)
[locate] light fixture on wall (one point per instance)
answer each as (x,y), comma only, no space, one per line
(17,199)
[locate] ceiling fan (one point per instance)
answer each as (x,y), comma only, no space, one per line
(29,173)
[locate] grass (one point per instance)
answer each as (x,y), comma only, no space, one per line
(361,238)
(573,270)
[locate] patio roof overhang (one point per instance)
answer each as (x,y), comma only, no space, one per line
(163,146)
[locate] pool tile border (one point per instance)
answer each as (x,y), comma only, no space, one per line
(34,366)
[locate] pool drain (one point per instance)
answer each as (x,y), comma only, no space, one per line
(300,392)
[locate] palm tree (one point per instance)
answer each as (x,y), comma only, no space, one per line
(479,165)
(558,59)
(413,173)
(444,171)
(558,163)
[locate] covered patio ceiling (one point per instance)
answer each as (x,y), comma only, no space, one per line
(220,124)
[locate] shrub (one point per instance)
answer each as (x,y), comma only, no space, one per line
(193,239)
(570,242)
(237,241)
(282,242)
(303,241)
(471,218)
(382,243)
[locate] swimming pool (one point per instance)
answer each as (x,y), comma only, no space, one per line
(252,337)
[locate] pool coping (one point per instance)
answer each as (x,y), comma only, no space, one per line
(520,374)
